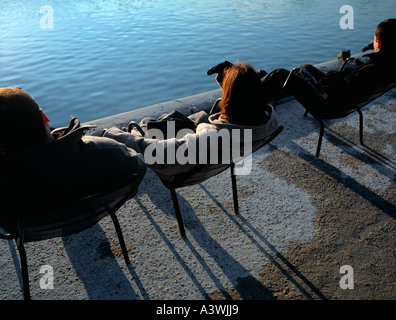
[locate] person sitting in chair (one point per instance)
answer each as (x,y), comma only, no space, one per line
(241,107)
(37,164)
(348,82)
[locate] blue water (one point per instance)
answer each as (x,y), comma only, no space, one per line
(106,57)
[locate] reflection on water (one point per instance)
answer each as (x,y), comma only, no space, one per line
(106,57)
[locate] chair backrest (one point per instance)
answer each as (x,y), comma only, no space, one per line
(374,91)
(74,213)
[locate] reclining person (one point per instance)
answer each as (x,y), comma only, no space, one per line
(338,86)
(242,106)
(37,165)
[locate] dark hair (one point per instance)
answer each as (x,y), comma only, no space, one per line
(243,100)
(21,124)
(386,33)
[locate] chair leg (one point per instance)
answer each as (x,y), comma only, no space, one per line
(24,268)
(320,138)
(234,188)
(360,126)
(120,237)
(178,213)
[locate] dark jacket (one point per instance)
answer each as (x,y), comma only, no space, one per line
(73,164)
(338,93)
(361,81)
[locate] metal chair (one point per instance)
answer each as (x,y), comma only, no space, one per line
(70,215)
(199,174)
(314,99)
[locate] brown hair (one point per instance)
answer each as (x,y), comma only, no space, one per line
(21,124)
(243,101)
(386,33)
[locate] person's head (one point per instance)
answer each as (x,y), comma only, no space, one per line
(385,35)
(242,101)
(22,123)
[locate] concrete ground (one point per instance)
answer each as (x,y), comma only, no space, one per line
(301,219)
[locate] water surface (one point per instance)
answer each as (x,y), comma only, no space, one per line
(106,57)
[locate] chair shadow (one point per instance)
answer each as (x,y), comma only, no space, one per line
(90,269)
(189,272)
(369,156)
(97,267)
(292,110)
(248,287)
(349,182)
(16,262)
(244,226)
(363,153)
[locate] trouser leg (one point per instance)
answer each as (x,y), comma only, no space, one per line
(272,83)
(318,74)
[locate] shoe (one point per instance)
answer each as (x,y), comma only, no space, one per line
(262,73)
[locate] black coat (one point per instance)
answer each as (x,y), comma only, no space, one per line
(33,178)
(361,81)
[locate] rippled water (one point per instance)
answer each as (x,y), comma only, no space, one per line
(106,57)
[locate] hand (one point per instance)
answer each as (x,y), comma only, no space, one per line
(370,46)
(343,55)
